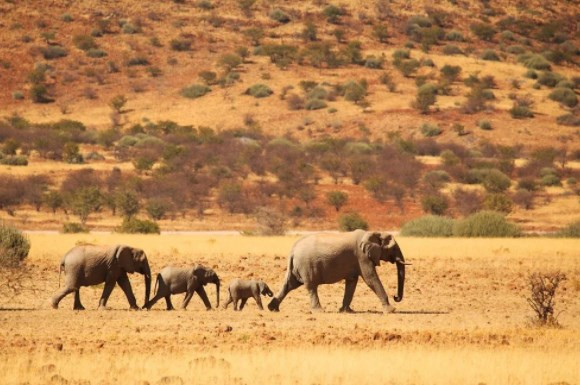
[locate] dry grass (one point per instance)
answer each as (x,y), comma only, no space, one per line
(464,319)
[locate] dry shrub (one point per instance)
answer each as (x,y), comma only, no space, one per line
(14,246)
(270,221)
(543,288)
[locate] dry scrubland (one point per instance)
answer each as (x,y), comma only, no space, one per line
(464,319)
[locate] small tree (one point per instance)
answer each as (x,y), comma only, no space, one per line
(53,200)
(270,222)
(156,208)
(118,102)
(381,32)
(337,199)
(543,288)
(352,221)
(426,97)
(128,203)
(229,61)
(84,202)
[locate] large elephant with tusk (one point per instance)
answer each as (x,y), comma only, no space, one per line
(91,265)
(329,258)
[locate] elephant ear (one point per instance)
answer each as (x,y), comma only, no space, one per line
(370,245)
(200,273)
(193,281)
(124,256)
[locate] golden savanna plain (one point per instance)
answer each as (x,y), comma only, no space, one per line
(464,319)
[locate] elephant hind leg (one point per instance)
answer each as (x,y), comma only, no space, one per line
(349,288)
(314,300)
(230,300)
(78,305)
(60,295)
(168,302)
(243,303)
(153,301)
(290,284)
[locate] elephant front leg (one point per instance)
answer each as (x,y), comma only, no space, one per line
(290,284)
(244,300)
(349,288)
(126,287)
(201,292)
(259,301)
(109,286)
(371,278)
(78,305)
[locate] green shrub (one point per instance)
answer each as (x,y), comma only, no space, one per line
(565,96)
(435,204)
(521,112)
(430,130)
(572,181)
(515,49)
(534,61)
(195,91)
(569,119)
(484,125)
(549,79)
(426,97)
(84,42)
(352,221)
(451,49)
(74,227)
(96,53)
(496,181)
(485,224)
(570,231)
(400,54)
(354,91)
(315,104)
(436,178)
(374,62)
(259,91)
(454,36)
(14,246)
(333,13)
(14,160)
(428,226)
(489,55)
(17,95)
(138,61)
(550,180)
(279,16)
(66,17)
(450,72)
(129,28)
(53,52)
(498,202)
(142,226)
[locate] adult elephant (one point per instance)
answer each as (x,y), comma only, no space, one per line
(92,265)
(328,258)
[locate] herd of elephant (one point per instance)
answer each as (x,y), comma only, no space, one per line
(314,260)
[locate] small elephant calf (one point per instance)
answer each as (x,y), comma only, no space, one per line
(175,280)
(240,289)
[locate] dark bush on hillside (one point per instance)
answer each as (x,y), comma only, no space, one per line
(436,178)
(138,226)
(450,72)
(407,67)
(483,31)
(428,226)
(485,224)
(572,119)
(279,16)
(454,36)
(490,55)
(315,104)
(84,42)
(534,61)
(521,112)
(565,96)
(524,198)
(352,221)
(195,91)
(425,98)
(435,204)
(138,61)
(295,102)
(467,201)
(53,52)
(450,49)
(181,44)
(270,222)
(39,94)
(570,231)
(333,13)
(430,130)
(96,53)
(515,49)
(550,79)
(496,181)
(14,160)
(14,246)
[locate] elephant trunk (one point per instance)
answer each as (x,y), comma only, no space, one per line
(147,274)
(400,261)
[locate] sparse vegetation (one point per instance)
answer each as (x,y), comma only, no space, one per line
(543,288)
(14,246)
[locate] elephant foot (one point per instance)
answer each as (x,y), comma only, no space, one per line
(170,308)
(54,305)
(135,308)
(346,310)
(103,307)
(274,305)
(81,307)
(389,309)
(317,310)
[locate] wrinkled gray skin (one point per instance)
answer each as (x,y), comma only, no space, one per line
(328,258)
(92,265)
(240,289)
(189,280)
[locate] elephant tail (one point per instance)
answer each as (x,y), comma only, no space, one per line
(156,284)
(229,299)
(60,269)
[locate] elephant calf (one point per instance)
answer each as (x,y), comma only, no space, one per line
(242,290)
(175,280)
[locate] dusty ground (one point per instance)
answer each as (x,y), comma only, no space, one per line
(464,319)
